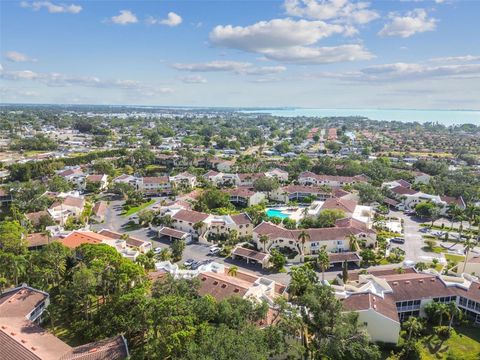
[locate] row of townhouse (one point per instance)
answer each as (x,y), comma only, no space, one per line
(408,198)
(214,280)
(185,220)
(384,298)
(310,178)
(336,239)
(158,185)
(243,179)
(79,179)
(129,247)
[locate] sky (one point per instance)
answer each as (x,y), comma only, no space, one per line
(407,54)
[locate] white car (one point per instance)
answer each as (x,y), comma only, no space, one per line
(214,250)
(157,250)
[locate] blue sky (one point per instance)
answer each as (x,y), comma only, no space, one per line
(309,53)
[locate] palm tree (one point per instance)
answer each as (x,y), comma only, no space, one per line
(455,213)
(453,311)
(471,211)
(263,240)
(353,242)
(232,271)
(197,227)
(469,244)
(323,262)
(413,326)
(441,310)
(303,237)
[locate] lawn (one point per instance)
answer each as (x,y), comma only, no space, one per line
(464,344)
(135,209)
(455,259)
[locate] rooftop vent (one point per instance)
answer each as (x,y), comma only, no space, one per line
(215,283)
(420,281)
(224,286)
(395,283)
(407,282)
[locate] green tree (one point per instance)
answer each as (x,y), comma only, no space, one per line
(177,247)
(303,237)
(323,262)
(413,326)
(12,237)
(302,279)
(277,259)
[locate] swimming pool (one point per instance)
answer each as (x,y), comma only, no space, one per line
(276,213)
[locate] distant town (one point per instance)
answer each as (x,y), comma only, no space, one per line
(204,233)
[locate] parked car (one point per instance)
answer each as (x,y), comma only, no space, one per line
(397,240)
(425,230)
(188,262)
(214,250)
(157,250)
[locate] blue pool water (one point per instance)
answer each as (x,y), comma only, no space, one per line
(276,213)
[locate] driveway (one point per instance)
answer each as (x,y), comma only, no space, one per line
(413,237)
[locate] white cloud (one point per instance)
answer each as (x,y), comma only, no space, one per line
(16,56)
(410,71)
(237,67)
(320,55)
(193,79)
(290,41)
(465,58)
(51,7)
(124,18)
(171,20)
(415,21)
(62,80)
(273,34)
(339,10)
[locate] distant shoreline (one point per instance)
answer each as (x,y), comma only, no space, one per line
(441,116)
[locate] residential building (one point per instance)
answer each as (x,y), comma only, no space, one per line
(62,209)
(101,180)
(310,178)
(22,337)
(243,196)
(299,193)
(184,179)
(152,186)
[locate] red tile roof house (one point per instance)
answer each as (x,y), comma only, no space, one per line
(336,239)
(244,196)
(22,337)
(298,193)
(64,208)
(100,179)
(385,298)
(158,185)
(310,178)
(99,210)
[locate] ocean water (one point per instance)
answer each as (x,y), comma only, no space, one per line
(445,117)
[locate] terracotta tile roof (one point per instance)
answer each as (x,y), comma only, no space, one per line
(250,254)
(172,232)
(221,286)
(345,205)
(452,200)
(385,306)
(100,208)
(316,234)
(74,201)
(303,189)
(20,302)
(115,235)
(109,349)
(333,178)
(418,286)
(37,239)
(353,275)
(190,216)
(156,180)
(34,217)
(95,178)
(78,238)
(241,192)
(401,190)
(241,219)
(343,256)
